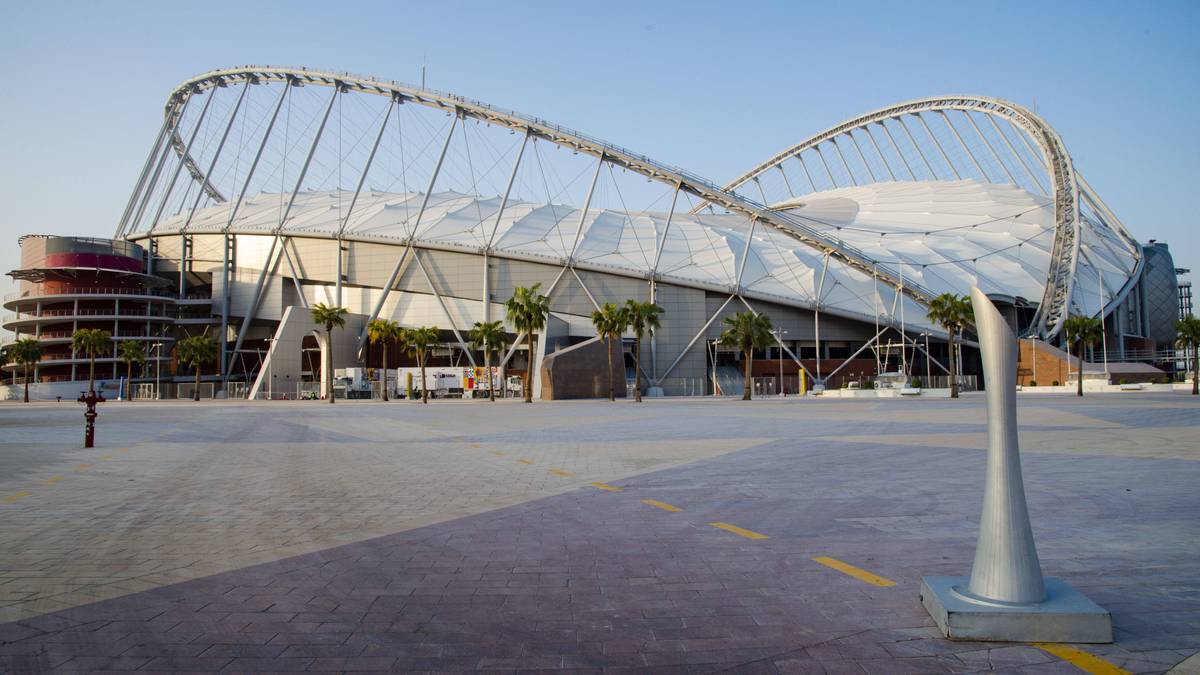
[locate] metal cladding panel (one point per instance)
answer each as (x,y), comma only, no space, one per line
(1160,291)
(458,275)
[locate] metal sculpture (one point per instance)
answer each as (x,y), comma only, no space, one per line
(1006,597)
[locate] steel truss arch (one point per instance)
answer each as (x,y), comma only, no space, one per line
(1068,189)
(675,177)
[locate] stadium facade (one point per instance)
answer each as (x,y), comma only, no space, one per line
(268,190)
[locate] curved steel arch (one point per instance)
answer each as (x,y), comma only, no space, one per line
(173,112)
(701,188)
(1065,251)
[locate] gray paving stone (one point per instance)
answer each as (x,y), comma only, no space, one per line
(428,553)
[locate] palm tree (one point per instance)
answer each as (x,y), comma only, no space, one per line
(490,338)
(383,331)
(1083,331)
(527,310)
(131,351)
(643,319)
(952,312)
(328,317)
(25,352)
(419,341)
(195,351)
(610,322)
(747,331)
(91,341)
(1188,331)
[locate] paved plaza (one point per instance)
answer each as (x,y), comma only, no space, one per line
(682,535)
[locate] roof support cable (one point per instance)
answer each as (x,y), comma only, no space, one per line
(362,177)
(141,181)
(826,165)
(867,129)
(895,145)
(800,158)
(257,156)
(583,213)
(220,146)
(986,142)
(786,183)
(862,157)
(1037,183)
(179,166)
(838,147)
(938,145)
(312,149)
(512,177)
(950,123)
(758,184)
(278,241)
(411,238)
(150,187)
(666,231)
(912,139)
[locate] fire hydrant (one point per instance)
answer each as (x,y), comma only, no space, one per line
(91,398)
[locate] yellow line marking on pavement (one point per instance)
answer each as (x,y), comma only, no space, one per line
(749,534)
(124,449)
(606,486)
(476,445)
(525,461)
(857,573)
(497,453)
(52,480)
(661,505)
(17,497)
(106,457)
(82,467)
(560,472)
(1088,663)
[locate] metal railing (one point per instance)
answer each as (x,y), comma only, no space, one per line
(87,290)
(56,313)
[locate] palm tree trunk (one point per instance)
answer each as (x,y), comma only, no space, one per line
(528,384)
(1195,372)
(196,393)
(637,369)
(953,364)
(424,390)
(487,365)
(385,370)
(329,361)
(608,348)
(92,372)
(746,384)
(26,382)
(1079,372)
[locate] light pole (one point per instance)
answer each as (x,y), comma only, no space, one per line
(157,370)
(779,333)
(270,368)
(928,374)
(1033,354)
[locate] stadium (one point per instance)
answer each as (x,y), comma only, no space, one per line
(268,190)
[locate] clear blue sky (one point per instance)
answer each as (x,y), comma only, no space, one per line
(714,87)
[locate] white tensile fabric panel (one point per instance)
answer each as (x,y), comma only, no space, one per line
(942,235)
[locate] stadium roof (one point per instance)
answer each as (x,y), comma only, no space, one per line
(948,234)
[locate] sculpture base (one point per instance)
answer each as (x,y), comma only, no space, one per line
(1066,615)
